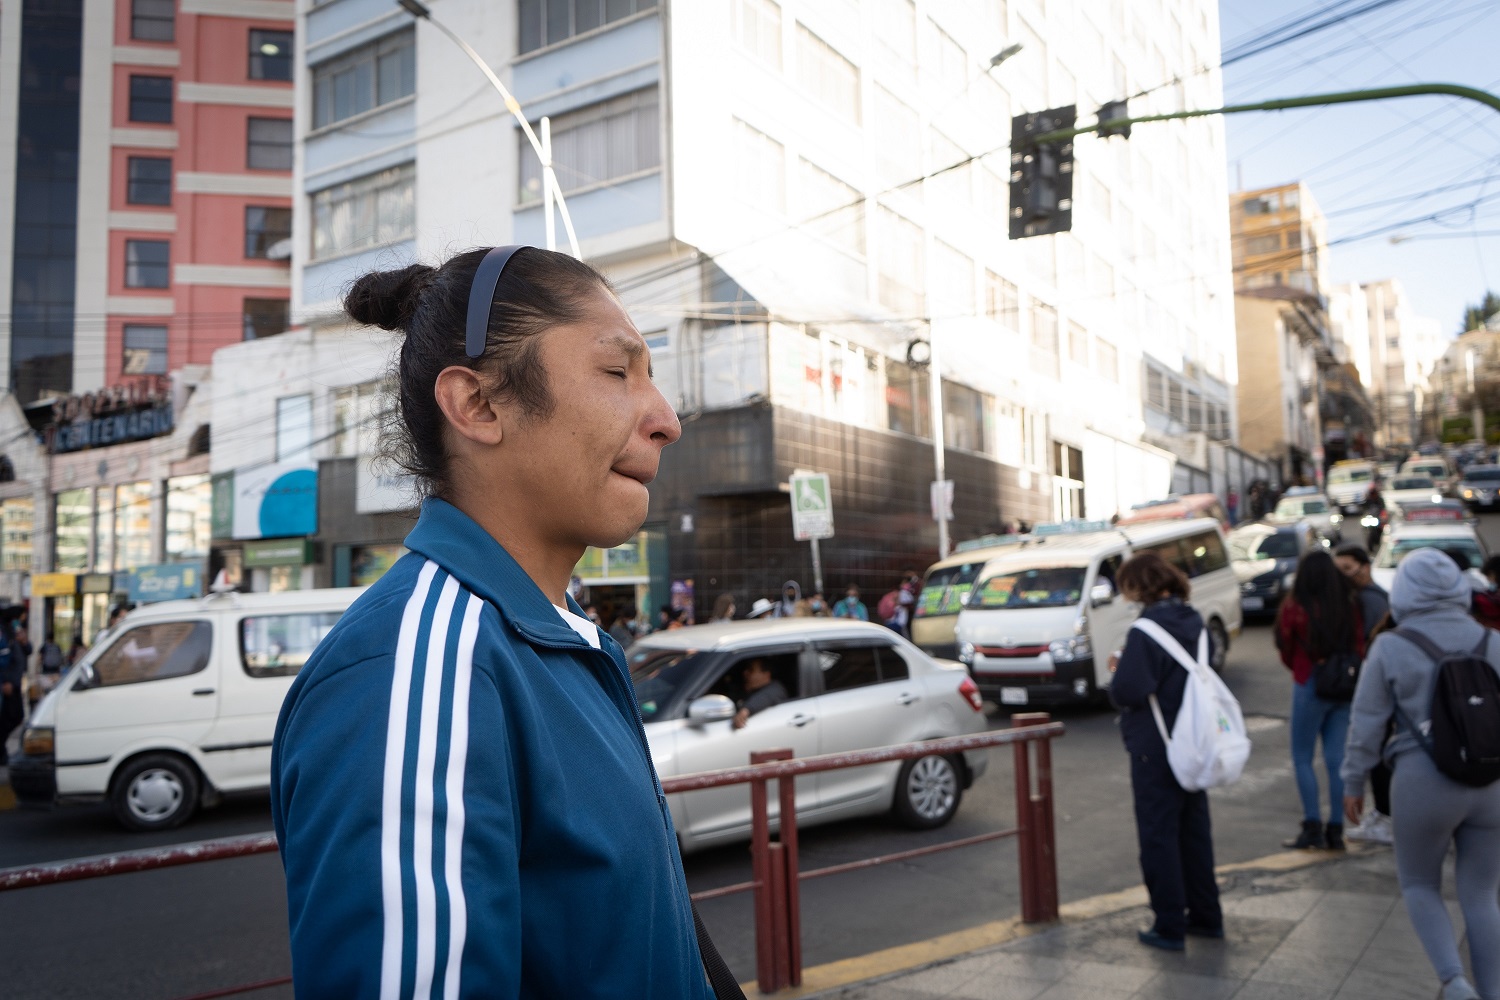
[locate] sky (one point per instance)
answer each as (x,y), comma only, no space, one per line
(1393,152)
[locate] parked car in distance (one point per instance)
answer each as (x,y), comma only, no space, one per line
(1479,487)
(175,706)
(1349,483)
(851,685)
(1386,471)
(1265,557)
(1457,538)
(1311,507)
(1435,466)
(1411,488)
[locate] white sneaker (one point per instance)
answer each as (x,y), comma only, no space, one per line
(1374,828)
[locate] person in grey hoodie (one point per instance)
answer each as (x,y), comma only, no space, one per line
(1430,810)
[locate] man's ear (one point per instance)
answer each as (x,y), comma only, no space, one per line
(461,396)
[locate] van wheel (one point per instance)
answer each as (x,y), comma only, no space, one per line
(155,791)
(1218,645)
(928,791)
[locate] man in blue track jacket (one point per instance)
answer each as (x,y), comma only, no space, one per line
(461,785)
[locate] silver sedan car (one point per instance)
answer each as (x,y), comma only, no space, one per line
(843,685)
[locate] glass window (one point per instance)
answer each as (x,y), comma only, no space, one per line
(548,22)
(1050,587)
(368,563)
(1078,345)
(189,517)
(104,529)
(366,78)
(153,20)
(151,99)
(757,29)
(1002,301)
(294,428)
(266,317)
(1463,550)
(145,350)
(148,263)
(826,76)
(1043,339)
(963,416)
(760,169)
(270,55)
(367,212)
(265,227)
(278,645)
(155,652)
(830,208)
(603,142)
(148,180)
(268,144)
(1205,553)
(900,264)
(845,667)
(133,525)
(356,419)
(1106,360)
(73,513)
(944,590)
(16,519)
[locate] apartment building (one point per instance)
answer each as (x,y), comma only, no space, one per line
(1404,351)
(750,174)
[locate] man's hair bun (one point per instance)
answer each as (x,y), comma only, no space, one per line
(387,299)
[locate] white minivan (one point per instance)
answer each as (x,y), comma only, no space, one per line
(1044,617)
(174,706)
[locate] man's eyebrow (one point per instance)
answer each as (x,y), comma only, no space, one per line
(633,347)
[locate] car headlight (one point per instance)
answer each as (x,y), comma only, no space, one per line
(1370,521)
(1468,494)
(1068,650)
(1335,518)
(37,741)
(966,653)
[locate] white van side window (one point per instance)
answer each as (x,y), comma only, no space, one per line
(1205,553)
(278,645)
(155,652)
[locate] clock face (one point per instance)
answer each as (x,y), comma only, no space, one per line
(919,352)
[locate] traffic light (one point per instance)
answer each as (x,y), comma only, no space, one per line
(1113,111)
(1041,174)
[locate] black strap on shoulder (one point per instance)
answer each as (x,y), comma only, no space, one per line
(1425,644)
(719,976)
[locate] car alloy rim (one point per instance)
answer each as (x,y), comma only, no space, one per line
(1219,641)
(155,794)
(931,787)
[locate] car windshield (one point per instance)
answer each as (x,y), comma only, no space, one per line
(1465,550)
(1483,475)
(1349,476)
(1412,483)
(944,590)
(1297,507)
(658,674)
(1054,587)
(1281,545)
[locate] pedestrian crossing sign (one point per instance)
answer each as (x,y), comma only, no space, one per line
(812,506)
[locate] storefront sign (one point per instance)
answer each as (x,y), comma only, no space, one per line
(97,583)
(114,415)
(287,552)
(54,584)
(379,488)
(221,513)
(275,501)
(166,582)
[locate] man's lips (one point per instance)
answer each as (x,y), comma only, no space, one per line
(640,475)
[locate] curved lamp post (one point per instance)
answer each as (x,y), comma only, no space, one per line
(551,190)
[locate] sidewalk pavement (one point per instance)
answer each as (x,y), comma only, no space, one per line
(1304,926)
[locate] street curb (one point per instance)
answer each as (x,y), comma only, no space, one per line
(824,980)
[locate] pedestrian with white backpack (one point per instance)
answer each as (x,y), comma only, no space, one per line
(1437,677)
(1172,822)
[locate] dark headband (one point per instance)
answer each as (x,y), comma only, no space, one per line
(482,297)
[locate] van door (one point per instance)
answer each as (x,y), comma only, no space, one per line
(152,687)
(1109,621)
(260,656)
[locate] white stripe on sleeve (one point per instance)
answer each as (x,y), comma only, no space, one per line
(458,753)
(390,810)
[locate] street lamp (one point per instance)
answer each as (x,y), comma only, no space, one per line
(551,190)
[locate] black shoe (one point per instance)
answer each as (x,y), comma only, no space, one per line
(1156,940)
(1203,931)
(1311,837)
(1333,836)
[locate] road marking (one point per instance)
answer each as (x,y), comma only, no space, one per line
(945,947)
(1262,723)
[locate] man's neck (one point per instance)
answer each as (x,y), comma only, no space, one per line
(548,564)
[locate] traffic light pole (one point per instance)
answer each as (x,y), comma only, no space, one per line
(1107,127)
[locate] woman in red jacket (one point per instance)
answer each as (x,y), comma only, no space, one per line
(1318,619)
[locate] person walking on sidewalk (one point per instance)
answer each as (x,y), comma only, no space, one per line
(1318,619)
(1172,824)
(1374,605)
(1431,811)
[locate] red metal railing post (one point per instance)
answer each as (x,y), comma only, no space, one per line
(782,927)
(760,864)
(1047,838)
(793,895)
(1025,827)
(1034,818)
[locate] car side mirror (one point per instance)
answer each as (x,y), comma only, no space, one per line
(86,677)
(1102,593)
(710,708)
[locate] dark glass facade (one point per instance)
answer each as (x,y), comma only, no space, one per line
(45,248)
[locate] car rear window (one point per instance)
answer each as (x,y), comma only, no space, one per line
(278,645)
(1462,550)
(1483,475)
(1412,483)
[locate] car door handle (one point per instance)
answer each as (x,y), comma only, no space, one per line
(200,692)
(907,698)
(800,720)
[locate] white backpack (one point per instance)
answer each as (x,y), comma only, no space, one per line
(1208,746)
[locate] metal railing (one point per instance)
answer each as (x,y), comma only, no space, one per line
(775,876)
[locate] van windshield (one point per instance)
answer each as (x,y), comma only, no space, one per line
(1349,476)
(1053,587)
(944,590)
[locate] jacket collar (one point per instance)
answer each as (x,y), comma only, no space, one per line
(457,543)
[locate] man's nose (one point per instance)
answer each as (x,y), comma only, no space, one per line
(661,424)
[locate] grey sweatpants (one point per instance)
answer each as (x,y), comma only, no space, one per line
(1430,812)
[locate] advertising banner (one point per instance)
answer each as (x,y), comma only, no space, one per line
(279,500)
(379,487)
(166,582)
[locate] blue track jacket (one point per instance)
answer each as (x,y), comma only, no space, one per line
(464,798)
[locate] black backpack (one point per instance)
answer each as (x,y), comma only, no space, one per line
(1335,678)
(1463,736)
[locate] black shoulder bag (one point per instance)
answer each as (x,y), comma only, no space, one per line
(719,976)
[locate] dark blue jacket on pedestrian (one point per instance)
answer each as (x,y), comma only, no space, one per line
(464,799)
(1146,669)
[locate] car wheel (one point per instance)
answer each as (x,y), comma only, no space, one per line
(156,791)
(1218,645)
(928,790)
